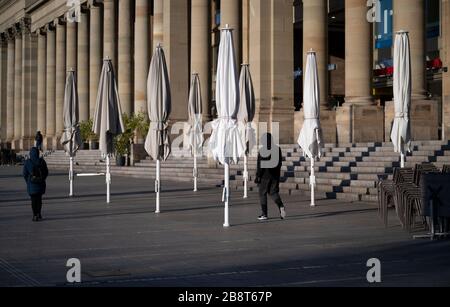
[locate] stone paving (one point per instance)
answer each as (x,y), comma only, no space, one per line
(126,244)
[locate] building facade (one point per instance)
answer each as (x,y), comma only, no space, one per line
(40,40)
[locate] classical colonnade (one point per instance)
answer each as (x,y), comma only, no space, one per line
(37,50)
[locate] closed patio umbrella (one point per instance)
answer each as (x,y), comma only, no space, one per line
(71,138)
(195,133)
(225,144)
(245,116)
(310,139)
(157,143)
(107,117)
(401,129)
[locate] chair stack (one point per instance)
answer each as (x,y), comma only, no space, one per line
(386,190)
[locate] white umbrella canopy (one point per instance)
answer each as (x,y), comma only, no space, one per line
(246,115)
(157,143)
(195,130)
(108,117)
(401,129)
(71,138)
(310,139)
(225,143)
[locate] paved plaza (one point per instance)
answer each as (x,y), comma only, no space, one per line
(126,244)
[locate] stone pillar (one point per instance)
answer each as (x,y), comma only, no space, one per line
(445,53)
(109,31)
(230,13)
(315,36)
(41,83)
(17,90)
(142,55)
(10,88)
(95,54)
(177,55)
(409,15)
(3,88)
(50,86)
(83,66)
(71,46)
(200,45)
(60,79)
(28,85)
(271,62)
(158,23)
(245,30)
(125,47)
(358,120)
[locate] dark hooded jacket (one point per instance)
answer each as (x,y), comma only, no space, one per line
(35,160)
(273,170)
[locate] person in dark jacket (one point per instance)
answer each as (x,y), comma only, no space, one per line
(268,175)
(35,173)
(39,139)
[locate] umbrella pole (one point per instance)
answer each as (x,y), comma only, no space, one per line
(226,195)
(402,160)
(71,177)
(245,176)
(195,172)
(108,181)
(312,182)
(157,184)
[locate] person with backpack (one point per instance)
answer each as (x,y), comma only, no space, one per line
(35,173)
(268,175)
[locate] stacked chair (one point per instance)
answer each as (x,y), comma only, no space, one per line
(386,190)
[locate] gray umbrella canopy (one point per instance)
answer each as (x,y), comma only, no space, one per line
(157,143)
(195,133)
(247,106)
(108,113)
(71,138)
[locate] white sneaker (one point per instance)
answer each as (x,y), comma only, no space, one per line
(262,218)
(282,213)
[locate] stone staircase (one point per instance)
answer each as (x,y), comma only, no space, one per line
(347,171)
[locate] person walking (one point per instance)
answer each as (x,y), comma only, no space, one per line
(268,175)
(39,139)
(35,173)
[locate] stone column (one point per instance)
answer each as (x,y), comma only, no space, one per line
(230,13)
(18,89)
(95,54)
(141,56)
(10,88)
(3,88)
(60,78)
(83,66)
(445,26)
(71,46)
(41,83)
(109,31)
(245,30)
(158,23)
(125,47)
(359,120)
(409,15)
(271,62)
(177,55)
(200,45)
(315,36)
(28,85)
(50,86)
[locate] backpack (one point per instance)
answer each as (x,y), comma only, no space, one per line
(36,176)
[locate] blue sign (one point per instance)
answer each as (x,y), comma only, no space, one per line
(384,24)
